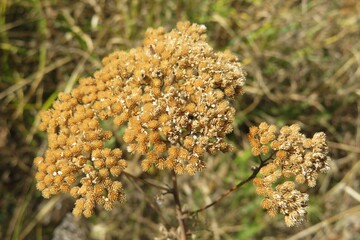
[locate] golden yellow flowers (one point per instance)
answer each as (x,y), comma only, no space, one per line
(294,156)
(172,94)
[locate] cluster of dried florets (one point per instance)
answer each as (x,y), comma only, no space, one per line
(172,95)
(294,156)
(175,97)
(76,154)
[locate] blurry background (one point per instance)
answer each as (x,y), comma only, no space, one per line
(303,66)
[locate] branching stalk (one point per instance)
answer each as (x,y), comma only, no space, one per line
(234,188)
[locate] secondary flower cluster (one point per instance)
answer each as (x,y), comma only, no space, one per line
(294,156)
(171,95)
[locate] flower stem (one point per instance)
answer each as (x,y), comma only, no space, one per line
(179,213)
(145,181)
(227,192)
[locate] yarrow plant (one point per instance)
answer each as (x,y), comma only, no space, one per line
(173,98)
(294,156)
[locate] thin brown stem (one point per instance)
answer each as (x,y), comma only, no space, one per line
(152,205)
(179,213)
(145,181)
(234,188)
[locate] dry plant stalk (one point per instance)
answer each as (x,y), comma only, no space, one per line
(173,97)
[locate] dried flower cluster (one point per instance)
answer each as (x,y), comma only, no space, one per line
(174,95)
(76,154)
(294,156)
(171,95)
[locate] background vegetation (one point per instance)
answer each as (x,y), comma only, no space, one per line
(303,65)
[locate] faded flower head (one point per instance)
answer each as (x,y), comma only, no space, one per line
(76,160)
(294,157)
(171,95)
(176,94)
